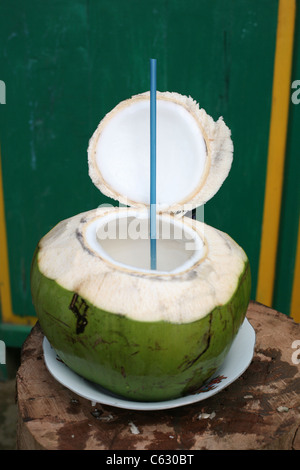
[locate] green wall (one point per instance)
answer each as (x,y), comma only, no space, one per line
(291,197)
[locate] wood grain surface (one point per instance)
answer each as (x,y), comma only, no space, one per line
(260,410)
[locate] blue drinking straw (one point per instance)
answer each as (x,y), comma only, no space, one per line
(153,162)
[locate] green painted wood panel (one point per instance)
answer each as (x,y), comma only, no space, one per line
(66,64)
(291,197)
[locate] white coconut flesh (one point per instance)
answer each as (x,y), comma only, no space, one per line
(193,153)
(123,240)
(186,290)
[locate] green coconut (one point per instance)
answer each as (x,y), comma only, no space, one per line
(145,334)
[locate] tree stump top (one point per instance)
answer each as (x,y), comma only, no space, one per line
(260,410)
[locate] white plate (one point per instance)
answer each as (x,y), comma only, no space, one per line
(236,362)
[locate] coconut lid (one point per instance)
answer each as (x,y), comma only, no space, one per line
(193,153)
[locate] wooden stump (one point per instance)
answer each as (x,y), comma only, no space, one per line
(260,410)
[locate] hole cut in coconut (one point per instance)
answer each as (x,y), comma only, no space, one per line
(123,158)
(124,241)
